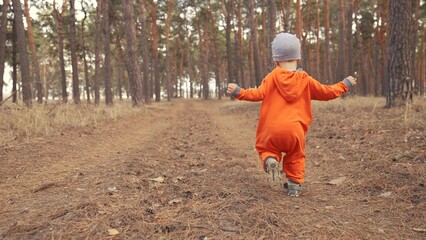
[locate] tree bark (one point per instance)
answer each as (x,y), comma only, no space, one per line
(36,66)
(318,44)
(144,42)
(107,54)
(286,15)
(14,64)
(190,67)
(131,49)
(170,5)
(74,61)
(98,35)
(272,14)
(327,73)
(299,20)
(228,31)
(401,50)
(59,16)
(23,55)
(83,50)
(253,27)
(156,71)
(215,54)
(342,69)
(3,34)
(349,38)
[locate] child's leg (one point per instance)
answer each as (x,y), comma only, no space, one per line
(294,160)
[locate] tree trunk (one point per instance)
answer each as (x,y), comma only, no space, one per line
(272,14)
(156,71)
(36,66)
(400,48)
(305,45)
(131,49)
(3,34)
(253,27)
(327,73)
(416,30)
(342,69)
(299,20)
(318,44)
(107,54)
(385,51)
(74,61)
(144,49)
(170,5)
(228,30)
(14,64)
(190,65)
(286,15)
(59,17)
(98,37)
(23,55)
(83,50)
(421,64)
(241,61)
(234,54)
(215,54)
(349,38)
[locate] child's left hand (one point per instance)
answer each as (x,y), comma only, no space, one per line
(231,88)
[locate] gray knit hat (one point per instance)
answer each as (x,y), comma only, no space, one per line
(285,47)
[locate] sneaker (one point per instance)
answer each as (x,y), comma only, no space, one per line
(273,172)
(293,188)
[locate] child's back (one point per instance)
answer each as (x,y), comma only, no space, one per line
(286,111)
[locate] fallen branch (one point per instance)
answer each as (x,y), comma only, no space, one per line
(15,92)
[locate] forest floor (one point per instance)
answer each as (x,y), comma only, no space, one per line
(187,169)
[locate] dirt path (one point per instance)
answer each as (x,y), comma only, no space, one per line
(188,169)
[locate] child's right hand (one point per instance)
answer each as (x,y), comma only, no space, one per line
(352,80)
(231,88)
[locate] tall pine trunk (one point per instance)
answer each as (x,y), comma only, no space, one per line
(131,49)
(254,42)
(98,37)
(35,63)
(59,19)
(156,70)
(170,5)
(190,67)
(14,64)
(215,54)
(241,61)
(23,55)
(83,51)
(342,69)
(272,14)
(327,73)
(145,59)
(74,61)
(401,51)
(286,15)
(3,34)
(228,31)
(107,54)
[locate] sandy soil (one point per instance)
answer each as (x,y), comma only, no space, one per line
(188,170)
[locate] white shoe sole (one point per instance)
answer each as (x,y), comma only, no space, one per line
(274,175)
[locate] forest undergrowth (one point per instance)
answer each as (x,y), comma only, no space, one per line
(187,169)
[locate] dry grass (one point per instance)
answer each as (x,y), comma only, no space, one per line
(18,123)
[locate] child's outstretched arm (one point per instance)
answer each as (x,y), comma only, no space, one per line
(251,94)
(328,92)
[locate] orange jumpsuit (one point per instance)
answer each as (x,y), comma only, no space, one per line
(285,115)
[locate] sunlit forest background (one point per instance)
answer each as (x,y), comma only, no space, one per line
(109,50)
